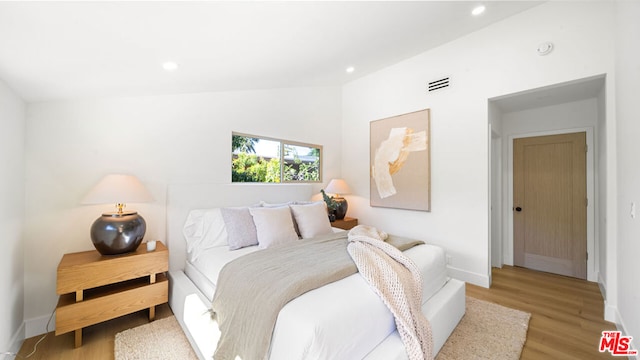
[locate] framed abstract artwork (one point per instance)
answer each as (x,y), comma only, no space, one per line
(400,168)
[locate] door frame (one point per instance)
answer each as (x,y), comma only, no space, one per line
(496,219)
(591,248)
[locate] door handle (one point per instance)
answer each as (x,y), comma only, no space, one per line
(518,209)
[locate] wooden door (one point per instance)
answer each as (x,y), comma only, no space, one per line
(550,204)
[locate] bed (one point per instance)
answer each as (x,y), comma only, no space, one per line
(315,325)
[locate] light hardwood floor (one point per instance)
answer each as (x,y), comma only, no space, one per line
(567,314)
(566,321)
(97,340)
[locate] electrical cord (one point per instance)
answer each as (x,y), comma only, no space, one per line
(35,347)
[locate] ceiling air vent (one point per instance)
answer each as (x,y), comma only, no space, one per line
(439,84)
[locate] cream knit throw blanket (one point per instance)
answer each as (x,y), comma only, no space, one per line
(397,280)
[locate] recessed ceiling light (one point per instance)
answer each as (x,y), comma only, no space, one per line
(350,69)
(478,10)
(169,66)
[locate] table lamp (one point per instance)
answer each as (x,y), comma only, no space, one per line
(120,231)
(339,187)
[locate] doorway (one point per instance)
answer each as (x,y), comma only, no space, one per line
(550,203)
(570,107)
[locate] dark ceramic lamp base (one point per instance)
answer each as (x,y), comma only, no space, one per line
(118,233)
(341,210)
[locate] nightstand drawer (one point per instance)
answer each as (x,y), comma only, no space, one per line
(89,269)
(109,302)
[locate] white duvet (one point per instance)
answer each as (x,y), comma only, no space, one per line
(341,320)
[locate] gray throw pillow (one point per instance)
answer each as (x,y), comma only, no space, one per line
(240,227)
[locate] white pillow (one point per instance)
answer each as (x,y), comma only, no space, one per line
(204,229)
(270,205)
(274,226)
(312,219)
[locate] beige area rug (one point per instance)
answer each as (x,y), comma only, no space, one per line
(487,331)
(157,340)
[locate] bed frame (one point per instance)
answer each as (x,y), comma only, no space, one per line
(190,306)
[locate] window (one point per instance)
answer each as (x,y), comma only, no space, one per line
(260,159)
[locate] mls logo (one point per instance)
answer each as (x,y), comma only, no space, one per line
(616,344)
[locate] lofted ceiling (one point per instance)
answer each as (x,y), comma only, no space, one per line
(67,50)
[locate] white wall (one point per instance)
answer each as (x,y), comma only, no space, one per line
(162,140)
(628,131)
(567,117)
(12,118)
(497,60)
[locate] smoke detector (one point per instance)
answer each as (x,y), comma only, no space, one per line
(545,48)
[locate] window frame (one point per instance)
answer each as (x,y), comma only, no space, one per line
(282,142)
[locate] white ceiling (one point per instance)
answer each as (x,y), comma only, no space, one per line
(65,50)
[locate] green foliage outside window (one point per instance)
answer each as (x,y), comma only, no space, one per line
(299,171)
(243,144)
(301,163)
(251,168)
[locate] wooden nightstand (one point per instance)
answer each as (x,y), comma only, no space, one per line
(347,223)
(94,288)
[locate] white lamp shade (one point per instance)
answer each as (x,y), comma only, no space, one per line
(118,189)
(338,186)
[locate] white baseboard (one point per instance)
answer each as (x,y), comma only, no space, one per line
(623,329)
(38,326)
(611,313)
(467,276)
(602,285)
(16,340)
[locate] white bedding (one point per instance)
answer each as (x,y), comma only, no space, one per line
(204,271)
(316,324)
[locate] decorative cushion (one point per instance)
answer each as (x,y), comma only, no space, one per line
(270,205)
(274,226)
(312,219)
(240,228)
